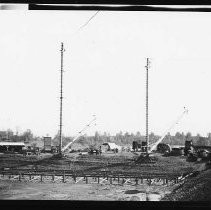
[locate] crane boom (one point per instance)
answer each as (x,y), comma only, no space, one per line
(79,134)
(153,146)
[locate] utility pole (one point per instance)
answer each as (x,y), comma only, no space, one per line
(61,98)
(147,107)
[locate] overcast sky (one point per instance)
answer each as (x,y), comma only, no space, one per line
(104,65)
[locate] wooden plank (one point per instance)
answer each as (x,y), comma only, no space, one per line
(150,181)
(63,177)
(35,178)
(103,179)
(111,180)
(127,180)
(79,180)
(164,181)
(136,180)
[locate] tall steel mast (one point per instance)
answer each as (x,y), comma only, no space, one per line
(147,107)
(61,98)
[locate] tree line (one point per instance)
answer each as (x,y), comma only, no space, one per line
(127,138)
(119,138)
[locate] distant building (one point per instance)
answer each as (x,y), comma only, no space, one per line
(11,146)
(110,146)
(16,138)
(3,135)
(47,143)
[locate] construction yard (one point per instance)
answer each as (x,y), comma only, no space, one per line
(135,147)
(97,177)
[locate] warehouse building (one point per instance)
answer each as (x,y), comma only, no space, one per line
(11,146)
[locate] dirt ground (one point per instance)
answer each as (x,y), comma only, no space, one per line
(14,190)
(118,163)
(197,188)
(28,190)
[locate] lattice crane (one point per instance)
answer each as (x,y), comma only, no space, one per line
(154,145)
(80,133)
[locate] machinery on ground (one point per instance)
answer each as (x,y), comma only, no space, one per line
(30,150)
(194,152)
(164,148)
(94,150)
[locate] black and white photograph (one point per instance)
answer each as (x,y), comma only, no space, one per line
(105,105)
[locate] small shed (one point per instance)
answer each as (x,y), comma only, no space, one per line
(110,146)
(11,146)
(47,143)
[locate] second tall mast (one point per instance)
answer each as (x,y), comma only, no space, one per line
(147,107)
